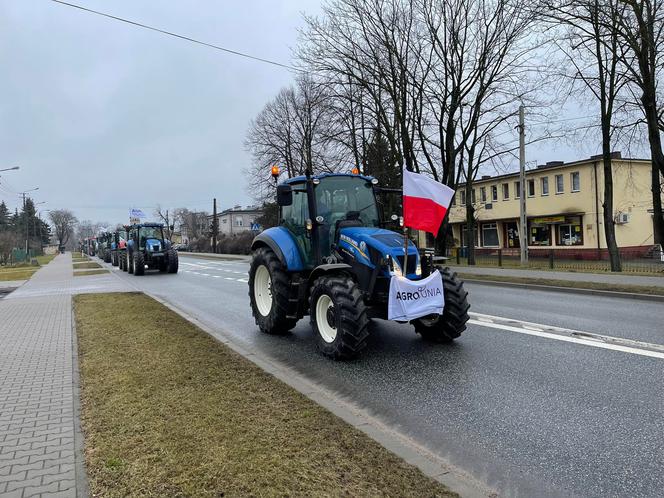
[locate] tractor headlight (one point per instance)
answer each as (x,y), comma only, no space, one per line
(395,269)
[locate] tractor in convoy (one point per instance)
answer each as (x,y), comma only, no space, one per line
(332,258)
(123,235)
(118,245)
(104,247)
(147,247)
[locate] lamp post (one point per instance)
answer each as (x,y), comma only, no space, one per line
(9,169)
(26,221)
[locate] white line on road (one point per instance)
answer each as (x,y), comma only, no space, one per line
(533,329)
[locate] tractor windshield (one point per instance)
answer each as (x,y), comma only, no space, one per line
(346,197)
(151,233)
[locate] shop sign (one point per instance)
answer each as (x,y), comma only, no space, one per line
(548,219)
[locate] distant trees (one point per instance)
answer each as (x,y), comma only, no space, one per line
(64,223)
(22,229)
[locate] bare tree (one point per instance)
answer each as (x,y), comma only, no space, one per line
(166,217)
(64,223)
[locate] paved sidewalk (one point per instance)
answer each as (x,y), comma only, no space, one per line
(608,278)
(39,454)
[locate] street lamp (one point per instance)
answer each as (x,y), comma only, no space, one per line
(10,169)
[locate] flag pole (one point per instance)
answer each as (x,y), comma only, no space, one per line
(405,251)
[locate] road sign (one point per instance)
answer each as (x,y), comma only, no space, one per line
(255,227)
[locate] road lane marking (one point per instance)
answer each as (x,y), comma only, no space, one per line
(565,335)
(242,280)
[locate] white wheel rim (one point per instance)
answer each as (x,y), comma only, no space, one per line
(263,290)
(323,305)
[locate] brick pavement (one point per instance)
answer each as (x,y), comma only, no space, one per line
(40,441)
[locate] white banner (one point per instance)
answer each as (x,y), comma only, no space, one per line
(414,299)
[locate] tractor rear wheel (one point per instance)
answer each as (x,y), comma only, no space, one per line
(172,261)
(339,317)
(448,326)
(139,263)
(269,288)
(120,260)
(130,263)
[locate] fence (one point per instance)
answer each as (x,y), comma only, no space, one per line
(634,260)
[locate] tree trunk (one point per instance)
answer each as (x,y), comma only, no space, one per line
(658,218)
(470,224)
(607,205)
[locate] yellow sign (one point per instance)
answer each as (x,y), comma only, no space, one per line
(548,219)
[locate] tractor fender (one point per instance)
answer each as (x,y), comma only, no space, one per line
(328,268)
(282,243)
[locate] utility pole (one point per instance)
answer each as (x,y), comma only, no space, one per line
(523,231)
(215,227)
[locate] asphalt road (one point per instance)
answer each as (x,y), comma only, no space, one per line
(530,410)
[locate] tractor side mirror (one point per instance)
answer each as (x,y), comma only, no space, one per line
(284,195)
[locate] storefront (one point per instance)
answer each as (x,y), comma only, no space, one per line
(560,230)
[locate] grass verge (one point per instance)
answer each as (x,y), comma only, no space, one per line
(85,273)
(550,282)
(169,411)
(23,271)
(90,264)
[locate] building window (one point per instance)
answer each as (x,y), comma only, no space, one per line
(531,188)
(453,203)
(224,221)
(560,186)
(463,197)
(545,185)
(238,222)
(575,181)
(494,193)
(506,191)
(517,190)
(539,234)
(473,200)
(483,194)
(489,235)
(570,233)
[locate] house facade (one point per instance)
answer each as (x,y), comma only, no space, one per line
(563,206)
(237,220)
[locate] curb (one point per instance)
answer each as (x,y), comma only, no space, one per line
(568,290)
(209,255)
(80,473)
(410,451)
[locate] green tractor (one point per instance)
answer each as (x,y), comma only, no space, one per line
(104,247)
(332,258)
(147,246)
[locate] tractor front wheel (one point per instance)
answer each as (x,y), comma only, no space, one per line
(448,326)
(139,263)
(130,264)
(172,261)
(339,317)
(269,288)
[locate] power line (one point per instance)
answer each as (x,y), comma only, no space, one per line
(182,37)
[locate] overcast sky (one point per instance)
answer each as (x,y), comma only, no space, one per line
(103,116)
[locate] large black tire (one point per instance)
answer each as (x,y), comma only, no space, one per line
(107,257)
(123,261)
(139,263)
(342,333)
(114,258)
(130,264)
(275,320)
(450,325)
(173,261)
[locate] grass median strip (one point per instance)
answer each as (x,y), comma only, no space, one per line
(85,273)
(550,282)
(169,411)
(90,264)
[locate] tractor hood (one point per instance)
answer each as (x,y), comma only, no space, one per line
(153,245)
(357,240)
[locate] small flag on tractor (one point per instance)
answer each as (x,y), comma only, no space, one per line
(425,202)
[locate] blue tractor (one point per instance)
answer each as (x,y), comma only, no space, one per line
(147,247)
(332,258)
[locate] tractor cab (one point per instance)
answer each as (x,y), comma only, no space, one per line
(342,222)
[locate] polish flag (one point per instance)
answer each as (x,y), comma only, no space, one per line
(425,202)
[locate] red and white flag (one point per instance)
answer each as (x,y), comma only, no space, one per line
(425,202)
